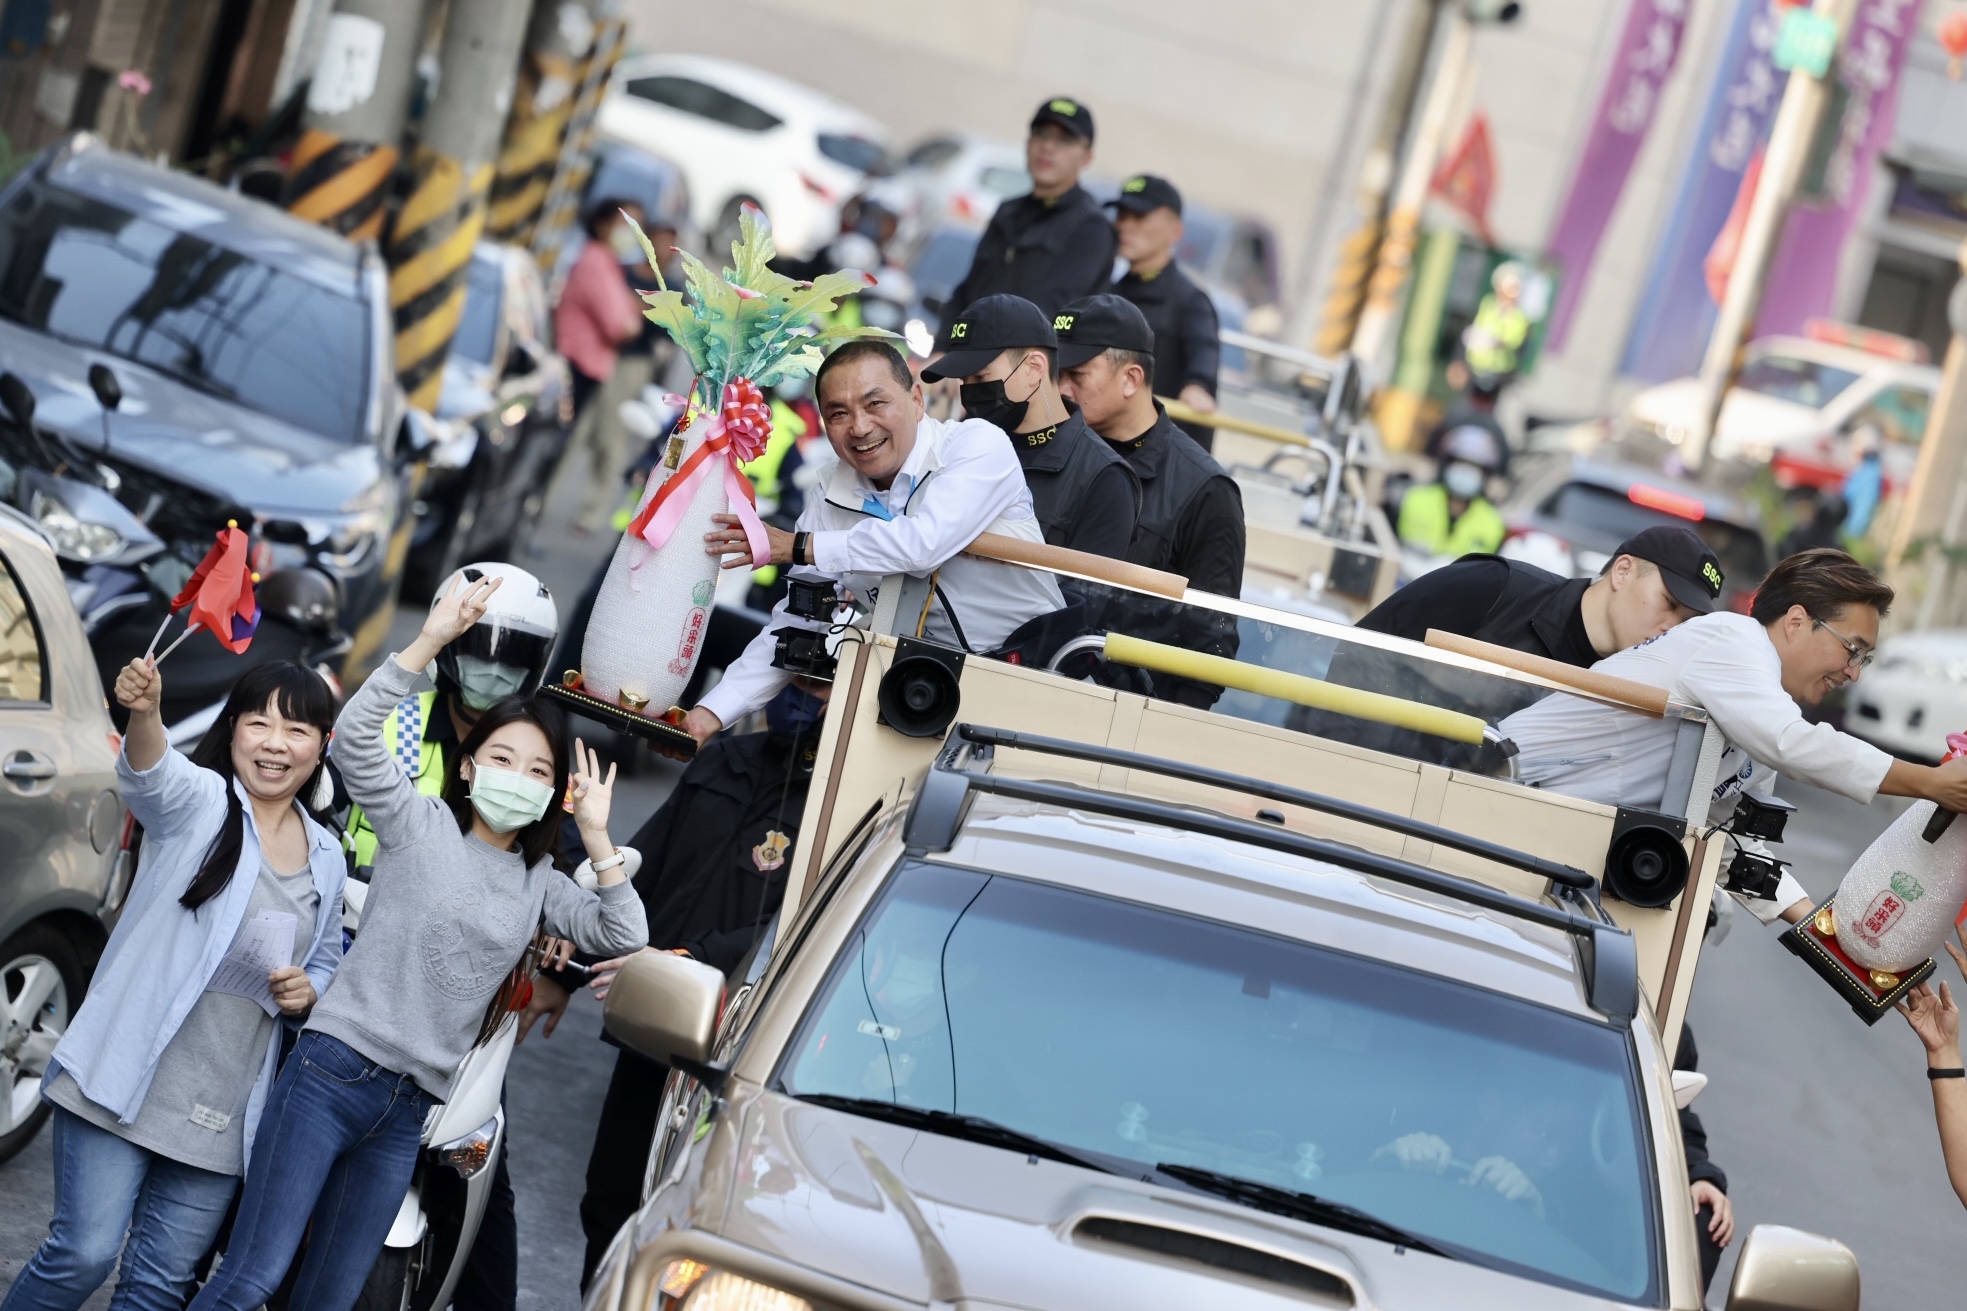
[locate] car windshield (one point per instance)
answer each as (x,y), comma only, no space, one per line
(856,152)
(1787,378)
(1499,1131)
(104,278)
(478,326)
(1599,518)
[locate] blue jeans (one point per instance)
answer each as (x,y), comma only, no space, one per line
(104,1187)
(337,1143)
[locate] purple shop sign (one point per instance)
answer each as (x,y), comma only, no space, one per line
(1645,55)
(1803,279)
(1676,314)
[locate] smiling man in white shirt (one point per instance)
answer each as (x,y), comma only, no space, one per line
(1812,629)
(908,495)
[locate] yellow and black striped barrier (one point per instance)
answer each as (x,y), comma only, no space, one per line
(429,248)
(341,184)
(562,202)
(1348,294)
(541,110)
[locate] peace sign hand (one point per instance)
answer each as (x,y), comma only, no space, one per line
(593,794)
(463,604)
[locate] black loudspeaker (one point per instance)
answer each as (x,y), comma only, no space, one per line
(921,691)
(1646,865)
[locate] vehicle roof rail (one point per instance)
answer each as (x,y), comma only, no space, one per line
(1556,871)
(1607,955)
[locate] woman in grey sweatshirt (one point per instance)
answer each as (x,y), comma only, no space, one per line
(461,885)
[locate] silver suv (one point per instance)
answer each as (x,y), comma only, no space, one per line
(63,863)
(1045,1044)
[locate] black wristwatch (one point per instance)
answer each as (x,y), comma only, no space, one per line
(1944,1072)
(799,547)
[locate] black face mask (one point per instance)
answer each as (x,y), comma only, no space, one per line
(987,401)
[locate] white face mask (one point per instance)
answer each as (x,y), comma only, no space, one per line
(506,799)
(483,683)
(1463,481)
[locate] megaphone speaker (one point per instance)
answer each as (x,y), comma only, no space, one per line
(1646,864)
(921,691)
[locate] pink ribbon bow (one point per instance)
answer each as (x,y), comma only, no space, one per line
(739,433)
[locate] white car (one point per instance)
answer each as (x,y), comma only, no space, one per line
(741,134)
(1915,695)
(1798,400)
(958,179)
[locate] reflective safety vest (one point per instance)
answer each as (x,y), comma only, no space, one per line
(787,429)
(420,758)
(1494,341)
(1425,524)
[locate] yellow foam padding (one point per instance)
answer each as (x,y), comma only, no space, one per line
(1320,695)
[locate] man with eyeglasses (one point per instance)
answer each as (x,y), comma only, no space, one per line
(1811,630)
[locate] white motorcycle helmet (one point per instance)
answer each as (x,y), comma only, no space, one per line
(506,652)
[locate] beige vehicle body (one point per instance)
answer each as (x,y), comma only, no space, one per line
(749,1183)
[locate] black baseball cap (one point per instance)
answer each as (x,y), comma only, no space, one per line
(1068,114)
(1144,193)
(1691,571)
(987,329)
(1093,324)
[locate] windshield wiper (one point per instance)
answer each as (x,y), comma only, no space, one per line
(970,1128)
(1299,1206)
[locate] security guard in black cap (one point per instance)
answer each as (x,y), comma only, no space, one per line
(1191,520)
(1006,353)
(1187,342)
(1052,244)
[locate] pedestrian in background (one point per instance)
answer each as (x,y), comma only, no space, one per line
(1187,338)
(159,1083)
(597,314)
(1052,244)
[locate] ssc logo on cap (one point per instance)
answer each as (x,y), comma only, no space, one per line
(1134,184)
(1063,323)
(1713,575)
(958,330)
(1070,108)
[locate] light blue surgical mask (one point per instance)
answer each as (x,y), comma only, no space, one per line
(1463,481)
(484,683)
(506,799)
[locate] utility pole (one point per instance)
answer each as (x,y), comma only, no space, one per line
(1361,253)
(560,212)
(356,107)
(431,241)
(1933,521)
(1795,128)
(1396,254)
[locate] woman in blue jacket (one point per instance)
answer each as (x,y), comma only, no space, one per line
(159,1081)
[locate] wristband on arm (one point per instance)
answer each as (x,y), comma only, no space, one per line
(1944,1072)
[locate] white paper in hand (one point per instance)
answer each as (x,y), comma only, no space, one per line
(265,943)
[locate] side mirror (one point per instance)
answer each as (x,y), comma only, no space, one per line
(102,381)
(18,397)
(1687,1085)
(1784,1269)
(665,1007)
(303,597)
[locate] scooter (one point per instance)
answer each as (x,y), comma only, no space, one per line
(437,1222)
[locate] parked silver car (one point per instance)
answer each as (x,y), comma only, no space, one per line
(64,866)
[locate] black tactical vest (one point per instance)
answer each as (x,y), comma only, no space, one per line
(1532,611)
(1060,464)
(1173,470)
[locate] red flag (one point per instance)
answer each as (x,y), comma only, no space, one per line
(1719,265)
(220,593)
(1467,178)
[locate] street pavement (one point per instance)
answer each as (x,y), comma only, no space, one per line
(1821,1123)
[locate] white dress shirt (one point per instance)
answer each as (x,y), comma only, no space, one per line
(1726,664)
(960,480)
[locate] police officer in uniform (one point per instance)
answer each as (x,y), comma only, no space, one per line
(1191,520)
(1453,515)
(1052,244)
(1187,342)
(1006,352)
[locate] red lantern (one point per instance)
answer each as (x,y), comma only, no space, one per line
(1953,36)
